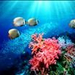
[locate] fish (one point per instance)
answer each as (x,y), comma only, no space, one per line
(72,24)
(13,33)
(19,21)
(32,22)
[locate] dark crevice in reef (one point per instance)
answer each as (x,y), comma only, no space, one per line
(72,37)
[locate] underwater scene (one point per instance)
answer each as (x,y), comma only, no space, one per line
(37,37)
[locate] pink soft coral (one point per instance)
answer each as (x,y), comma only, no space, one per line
(45,52)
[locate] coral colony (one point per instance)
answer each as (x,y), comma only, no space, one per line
(45,53)
(70,54)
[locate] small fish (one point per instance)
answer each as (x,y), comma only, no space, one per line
(32,22)
(19,21)
(72,24)
(13,33)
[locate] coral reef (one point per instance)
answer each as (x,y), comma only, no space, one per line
(45,53)
(48,56)
(70,52)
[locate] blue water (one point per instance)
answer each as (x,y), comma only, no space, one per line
(53,16)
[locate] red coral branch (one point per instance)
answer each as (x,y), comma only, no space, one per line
(45,52)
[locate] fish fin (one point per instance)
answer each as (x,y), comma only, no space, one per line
(37,22)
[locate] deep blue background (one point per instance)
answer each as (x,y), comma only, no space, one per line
(53,16)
